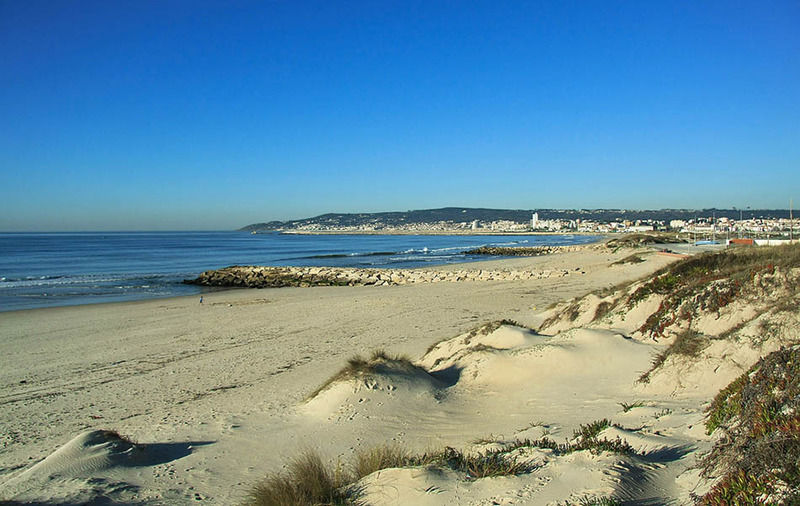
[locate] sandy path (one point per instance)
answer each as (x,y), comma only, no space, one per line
(230,371)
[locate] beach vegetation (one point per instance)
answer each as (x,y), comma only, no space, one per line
(481,330)
(584,438)
(629,406)
(479,465)
(472,466)
(641,239)
(688,343)
(306,481)
(709,282)
(487,440)
(758,455)
(591,430)
(602,310)
(380,457)
(116,437)
(598,501)
(663,412)
(483,347)
(488,328)
(636,258)
(359,367)
(571,311)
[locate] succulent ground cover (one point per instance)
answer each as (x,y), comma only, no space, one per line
(709,282)
(697,287)
(758,455)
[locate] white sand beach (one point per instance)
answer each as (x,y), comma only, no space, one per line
(216,392)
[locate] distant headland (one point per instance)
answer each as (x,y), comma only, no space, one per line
(464,220)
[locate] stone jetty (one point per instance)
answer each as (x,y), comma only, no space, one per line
(518,251)
(276,277)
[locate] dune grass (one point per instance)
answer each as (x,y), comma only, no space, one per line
(703,283)
(473,466)
(591,430)
(380,457)
(737,267)
(642,239)
(629,406)
(481,330)
(602,310)
(759,453)
(599,501)
(688,343)
(307,481)
(114,436)
(636,258)
(584,438)
(360,367)
(733,268)
(481,465)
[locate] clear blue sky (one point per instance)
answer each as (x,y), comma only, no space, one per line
(144,115)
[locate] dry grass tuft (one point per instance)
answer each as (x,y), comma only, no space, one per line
(599,501)
(474,466)
(116,437)
(306,481)
(483,347)
(590,431)
(585,438)
(602,310)
(688,343)
(481,330)
(380,457)
(629,406)
(360,367)
(570,312)
(483,465)
(630,259)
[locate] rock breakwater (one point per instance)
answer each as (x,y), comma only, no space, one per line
(522,251)
(276,277)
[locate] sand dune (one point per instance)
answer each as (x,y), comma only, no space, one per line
(223,393)
(566,380)
(78,463)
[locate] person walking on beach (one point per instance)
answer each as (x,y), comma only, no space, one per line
(201,299)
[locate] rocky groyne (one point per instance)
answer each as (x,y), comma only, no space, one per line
(276,277)
(522,251)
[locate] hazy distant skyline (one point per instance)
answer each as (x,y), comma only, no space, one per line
(212,115)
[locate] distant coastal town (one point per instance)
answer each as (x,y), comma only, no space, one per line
(705,224)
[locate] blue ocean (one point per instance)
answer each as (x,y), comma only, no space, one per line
(61,269)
